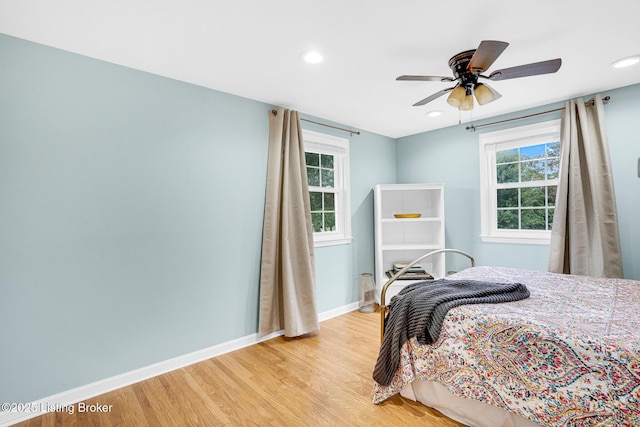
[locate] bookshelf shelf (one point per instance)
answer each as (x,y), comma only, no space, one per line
(409,247)
(430,219)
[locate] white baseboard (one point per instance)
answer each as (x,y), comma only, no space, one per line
(67,400)
(337,311)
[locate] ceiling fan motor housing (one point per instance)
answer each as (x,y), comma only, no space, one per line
(459,65)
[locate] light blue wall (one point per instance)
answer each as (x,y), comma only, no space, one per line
(451,156)
(131,211)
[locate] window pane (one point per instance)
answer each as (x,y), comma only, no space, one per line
(532,152)
(533,219)
(507,173)
(551,195)
(329,221)
(313,177)
(312,159)
(327,178)
(329,202)
(533,170)
(550,219)
(553,165)
(327,161)
(506,156)
(316,200)
(553,149)
(508,198)
(532,196)
(508,219)
(316,221)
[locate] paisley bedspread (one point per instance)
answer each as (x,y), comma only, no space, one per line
(569,355)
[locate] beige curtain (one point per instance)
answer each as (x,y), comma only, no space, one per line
(585,238)
(287,272)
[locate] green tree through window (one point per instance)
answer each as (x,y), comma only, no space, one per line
(526,186)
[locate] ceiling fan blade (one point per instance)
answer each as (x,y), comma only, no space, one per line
(425,78)
(486,54)
(533,69)
(436,95)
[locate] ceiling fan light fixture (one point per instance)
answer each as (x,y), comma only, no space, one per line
(483,94)
(456,97)
(467,103)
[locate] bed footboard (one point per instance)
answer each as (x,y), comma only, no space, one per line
(383,306)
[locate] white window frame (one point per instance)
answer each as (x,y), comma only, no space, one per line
(338,147)
(490,143)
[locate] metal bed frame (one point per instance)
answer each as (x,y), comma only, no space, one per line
(383,306)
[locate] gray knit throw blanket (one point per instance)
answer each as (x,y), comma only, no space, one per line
(419,309)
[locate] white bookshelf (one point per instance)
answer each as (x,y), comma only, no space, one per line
(405,239)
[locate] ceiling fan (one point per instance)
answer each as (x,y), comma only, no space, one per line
(468,67)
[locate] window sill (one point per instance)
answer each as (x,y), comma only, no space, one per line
(332,242)
(526,240)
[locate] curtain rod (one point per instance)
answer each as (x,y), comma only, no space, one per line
(350,131)
(474,127)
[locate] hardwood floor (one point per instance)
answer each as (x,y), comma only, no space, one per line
(319,380)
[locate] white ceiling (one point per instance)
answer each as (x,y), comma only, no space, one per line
(252,48)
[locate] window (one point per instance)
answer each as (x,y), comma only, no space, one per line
(518,181)
(327,159)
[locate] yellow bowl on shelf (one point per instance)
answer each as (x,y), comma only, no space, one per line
(408,215)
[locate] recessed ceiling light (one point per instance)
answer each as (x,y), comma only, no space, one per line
(434,113)
(626,62)
(312,57)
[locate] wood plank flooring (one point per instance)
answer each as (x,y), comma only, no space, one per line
(319,380)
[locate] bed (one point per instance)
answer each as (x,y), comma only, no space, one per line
(568,355)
